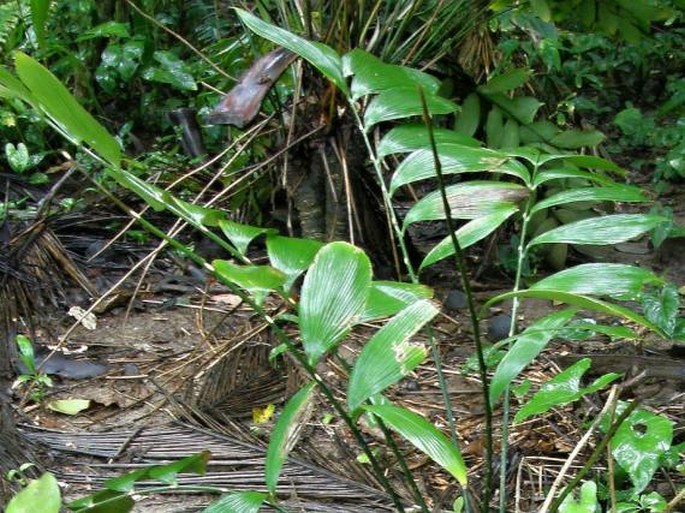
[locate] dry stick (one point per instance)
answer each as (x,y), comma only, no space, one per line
(594,457)
(676,500)
(610,405)
(466,284)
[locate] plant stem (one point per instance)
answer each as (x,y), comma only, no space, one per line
(522,251)
(466,285)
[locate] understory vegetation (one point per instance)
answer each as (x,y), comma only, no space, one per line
(311,146)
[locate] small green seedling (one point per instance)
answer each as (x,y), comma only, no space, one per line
(37,380)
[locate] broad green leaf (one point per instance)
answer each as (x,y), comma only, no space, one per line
(588,162)
(472,232)
(527,346)
(638,445)
(511,137)
(494,128)
(371,75)
(425,437)
(171,70)
(40,494)
(454,159)
(386,298)
(40,9)
(11,87)
(151,194)
(600,279)
(575,139)
(258,280)
(238,502)
(522,108)
(390,354)
(69,406)
(197,463)
(168,474)
(291,256)
(538,133)
(469,118)
(611,229)
(408,138)
(26,353)
(563,389)
(542,10)
(569,172)
(467,200)
(322,57)
(662,307)
(284,434)
(587,503)
(197,215)
(62,108)
(333,297)
(618,193)
(403,102)
(583,302)
(505,82)
(106,29)
(103,501)
(241,235)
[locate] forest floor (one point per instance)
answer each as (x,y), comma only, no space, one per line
(180,366)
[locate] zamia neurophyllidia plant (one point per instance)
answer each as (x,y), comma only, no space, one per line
(338,290)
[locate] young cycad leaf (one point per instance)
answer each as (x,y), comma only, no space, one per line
(241,235)
(42,492)
(371,75)
(284,435)
(333,297)
(622,193)
(75,123)
(467,200)
(291,255)
(472,232)
(387,298)
(411,137)
(506,81)
(239,502)
(322,57)
(562,389)
(610,229)
(258,280)
(469,118)
(528,345)
(599,279)
(403,102)
(389,355)
(425,437)
(455,159)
